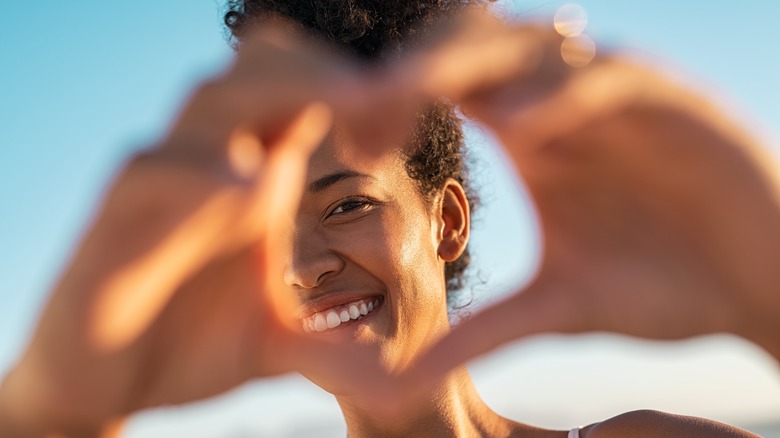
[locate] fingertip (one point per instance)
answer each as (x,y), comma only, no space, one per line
(318,116)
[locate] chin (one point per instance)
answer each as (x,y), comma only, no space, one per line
(339,383)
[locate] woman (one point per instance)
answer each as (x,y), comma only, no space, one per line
(374,229)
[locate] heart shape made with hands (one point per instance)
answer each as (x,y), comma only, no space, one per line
(656,210)
(658,216)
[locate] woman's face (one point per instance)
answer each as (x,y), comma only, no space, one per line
(366,260)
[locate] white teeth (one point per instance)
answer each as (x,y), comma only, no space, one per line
(333,320)
(354,312)
(330,319)
(319,323)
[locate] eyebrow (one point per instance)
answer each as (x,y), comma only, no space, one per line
(326,181)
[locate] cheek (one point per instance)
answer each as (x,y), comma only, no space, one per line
(410,268)
(415,250)
(397,247)
(388,245)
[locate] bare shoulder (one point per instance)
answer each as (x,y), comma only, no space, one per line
(651,424)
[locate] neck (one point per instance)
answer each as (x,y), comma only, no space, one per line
(454,409)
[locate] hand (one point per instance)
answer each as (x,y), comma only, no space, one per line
(659,215)
(176,292)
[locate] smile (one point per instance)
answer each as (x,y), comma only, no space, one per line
(335,316)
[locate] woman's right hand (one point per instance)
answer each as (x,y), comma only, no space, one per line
(171,295)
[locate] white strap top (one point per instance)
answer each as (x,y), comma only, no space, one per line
(574,433)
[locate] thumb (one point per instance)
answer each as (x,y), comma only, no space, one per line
(286,162)
(539,308)
(281,186)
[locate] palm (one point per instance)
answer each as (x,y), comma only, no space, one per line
(208,338)
(162,346)
(655,209)
(635,211)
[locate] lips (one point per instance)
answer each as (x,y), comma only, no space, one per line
(333,316)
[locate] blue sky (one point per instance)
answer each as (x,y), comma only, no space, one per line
(83,84)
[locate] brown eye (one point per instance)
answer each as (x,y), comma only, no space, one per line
(351,205)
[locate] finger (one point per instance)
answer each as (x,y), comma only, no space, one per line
(280,190)
(593,94)
(146,246)
(479,53)
(281,52)
(276,73)
(538,309)
(221,107)
(284,171)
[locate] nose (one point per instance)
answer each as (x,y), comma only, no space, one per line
(312,261)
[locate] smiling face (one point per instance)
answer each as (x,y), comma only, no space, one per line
(369,253)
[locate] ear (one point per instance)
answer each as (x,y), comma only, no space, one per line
(455,224)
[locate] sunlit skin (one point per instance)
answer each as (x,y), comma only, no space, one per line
(365,230)
(622,179)
(370,233)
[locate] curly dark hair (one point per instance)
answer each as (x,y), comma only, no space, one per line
(369,29)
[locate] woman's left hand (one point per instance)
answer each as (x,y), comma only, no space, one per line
(660,217)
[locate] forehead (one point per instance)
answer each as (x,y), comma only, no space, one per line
(337,153)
